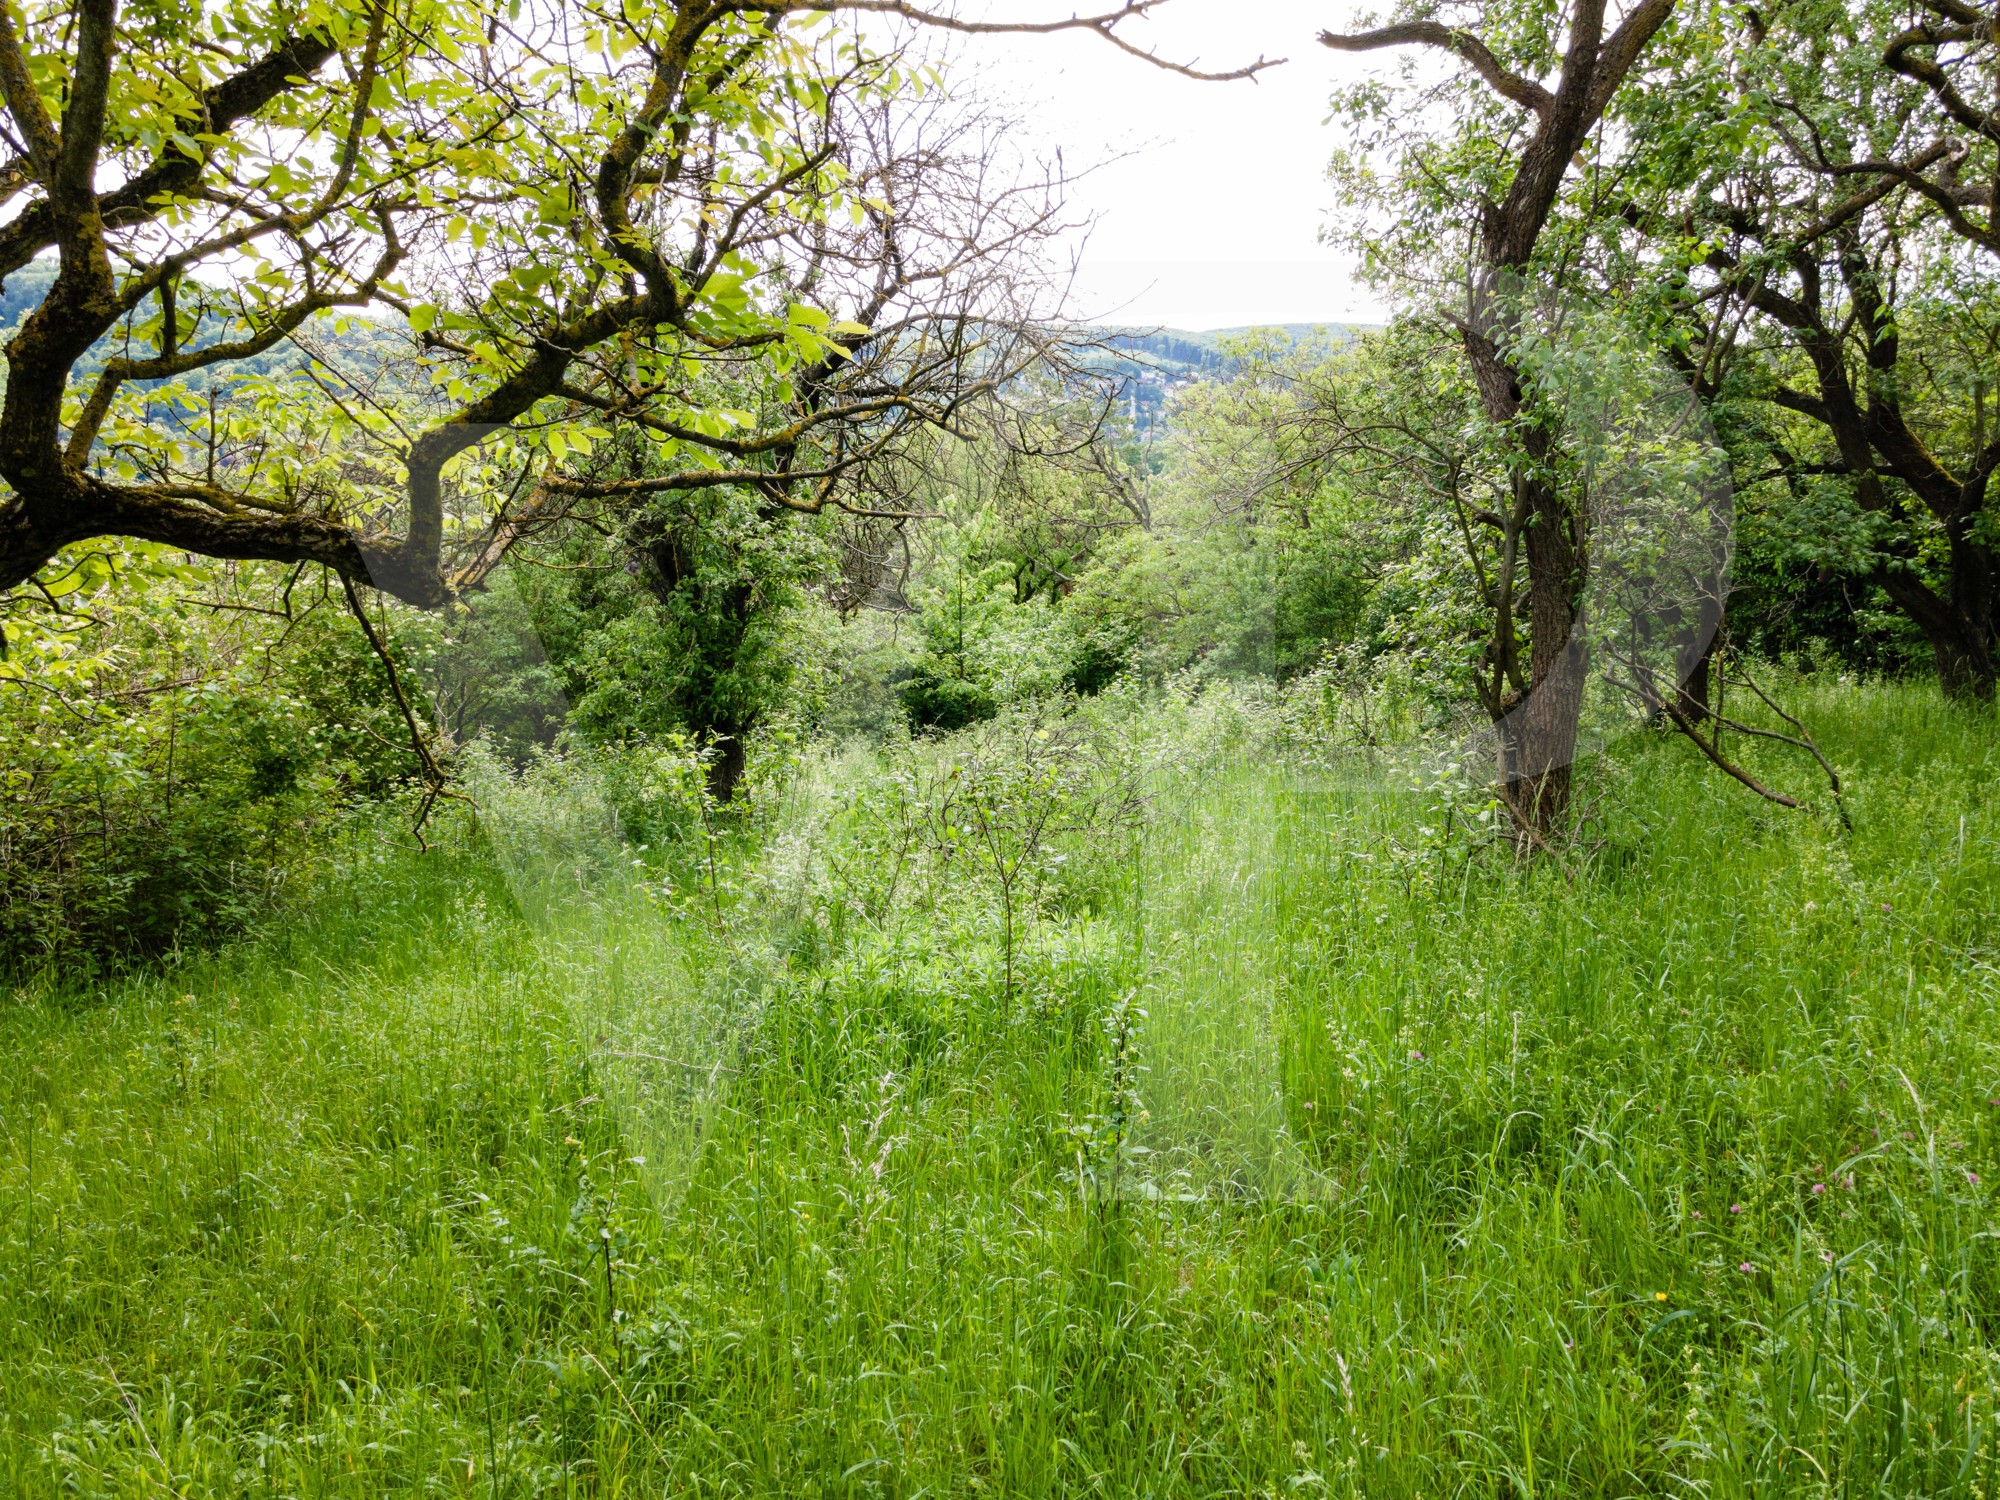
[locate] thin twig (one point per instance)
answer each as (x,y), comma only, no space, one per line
(436,784)
(1804,741)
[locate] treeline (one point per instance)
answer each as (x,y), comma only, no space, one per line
(188,741)
(1695,371)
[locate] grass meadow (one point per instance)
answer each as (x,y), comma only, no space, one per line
(1311,1145)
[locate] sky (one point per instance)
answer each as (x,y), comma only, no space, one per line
(1207,199)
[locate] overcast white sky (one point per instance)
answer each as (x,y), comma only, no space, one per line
(1211,218)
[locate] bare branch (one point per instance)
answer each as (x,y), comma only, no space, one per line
(1103,24)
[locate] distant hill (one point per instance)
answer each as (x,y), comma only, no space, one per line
(1149,363)
(24,290)
(1154,362)
(1207,350)
(381,340)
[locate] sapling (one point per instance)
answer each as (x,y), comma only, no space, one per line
(1027,784)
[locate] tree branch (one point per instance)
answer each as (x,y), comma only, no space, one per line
(1509,85)
(24,103)
(1103,24)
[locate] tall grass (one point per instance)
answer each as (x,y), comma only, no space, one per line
(1320,1149)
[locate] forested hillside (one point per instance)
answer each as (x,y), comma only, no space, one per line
(664,834)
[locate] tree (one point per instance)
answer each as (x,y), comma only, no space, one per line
(969,225)
(1508,180)
(1842,259)
(1295,530)
(724,576)
(593,218)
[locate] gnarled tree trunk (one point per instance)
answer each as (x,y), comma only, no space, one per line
(1537,723)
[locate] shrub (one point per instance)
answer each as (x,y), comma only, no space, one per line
(937,702)
(172,761)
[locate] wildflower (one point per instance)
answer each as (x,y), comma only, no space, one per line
(1736,1208)
(1747,1269)
(1818,1188)
(1697,1213)
(1659,1296)
(1827,1256)
(1973,1178)
(1849,1183)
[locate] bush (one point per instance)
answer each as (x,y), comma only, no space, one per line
(946,704)
(169,771)
(143,835)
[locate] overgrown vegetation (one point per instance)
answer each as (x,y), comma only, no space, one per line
(659,836)
(1706,1203)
